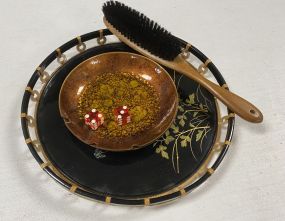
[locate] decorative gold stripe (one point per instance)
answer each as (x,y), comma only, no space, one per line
(81,46)
(24,115)
(231,115)
(58,52)
(73,188)
(185,52)
(188,46)
(101,39)
(44,165)
(35,93)
(101,33)
(108,199)
(211,171)
(79,39)
(146,202)
(29,140)
(182,192)
(40,70)
(226,118)
(29,89)
(44,76)
(207,62)
(186,49)
(227,142)
(61,58)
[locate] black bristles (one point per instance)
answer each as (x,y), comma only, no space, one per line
(141,30)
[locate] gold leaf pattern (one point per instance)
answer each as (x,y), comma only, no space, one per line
(191,122)
(183,143)
(199,135)
(161,150)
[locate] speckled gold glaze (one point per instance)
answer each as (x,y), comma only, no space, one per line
(113,90)
(115,62)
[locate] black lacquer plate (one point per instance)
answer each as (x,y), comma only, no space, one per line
(173,165)
(151,170)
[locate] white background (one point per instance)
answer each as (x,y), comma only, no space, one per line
(245,39)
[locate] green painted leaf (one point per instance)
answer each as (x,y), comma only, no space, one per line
(195,114)
(201,106)
(182,122)
(199,135)
(175,128)
(168,139)
(164,154)
(161,149)
(158,150)
(180,108)
(187,138)
(191,125)
(180,117)
(183,143)
(167,133)
(191,99)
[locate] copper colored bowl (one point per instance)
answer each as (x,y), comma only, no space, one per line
(116,62)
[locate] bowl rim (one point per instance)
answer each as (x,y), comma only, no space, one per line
(132,147)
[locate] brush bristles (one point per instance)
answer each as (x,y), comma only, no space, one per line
(141,30)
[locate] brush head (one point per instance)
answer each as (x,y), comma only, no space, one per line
(142,31)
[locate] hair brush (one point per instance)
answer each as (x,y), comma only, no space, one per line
(150,39)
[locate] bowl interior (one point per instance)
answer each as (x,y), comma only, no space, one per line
(118,62)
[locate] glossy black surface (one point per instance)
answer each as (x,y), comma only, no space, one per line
(138,173)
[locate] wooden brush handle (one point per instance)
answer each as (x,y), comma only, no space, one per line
(234,102)
(237,104)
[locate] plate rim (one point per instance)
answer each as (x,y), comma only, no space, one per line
(179,185)
(25,118)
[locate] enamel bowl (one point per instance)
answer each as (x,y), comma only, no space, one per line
(118,62)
